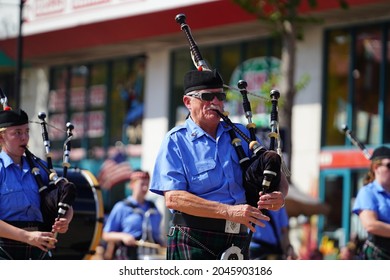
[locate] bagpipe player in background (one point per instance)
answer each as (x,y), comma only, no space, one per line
(197,170)
(132,220)
(272,242)
(372,205)
(20,203)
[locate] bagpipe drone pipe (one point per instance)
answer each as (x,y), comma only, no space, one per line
(69,187)
(356,142)
(262,170)
(59,194)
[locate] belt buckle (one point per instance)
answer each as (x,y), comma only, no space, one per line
(232,227)
(232,253)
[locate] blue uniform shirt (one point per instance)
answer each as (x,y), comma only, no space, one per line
(373,197)
(19,196)
(266,234)
(191,160)
(124,218)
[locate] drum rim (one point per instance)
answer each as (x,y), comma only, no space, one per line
(99,211)
(99,207)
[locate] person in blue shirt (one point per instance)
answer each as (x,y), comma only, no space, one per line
(21,218)
(272,241)
(132,220)
(197,171)
(372,204)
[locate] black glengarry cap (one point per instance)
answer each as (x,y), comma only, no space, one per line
(380,153)
(198,80)
(12,118)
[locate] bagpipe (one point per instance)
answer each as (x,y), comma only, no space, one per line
(261,170)
(58,195)
(356,142)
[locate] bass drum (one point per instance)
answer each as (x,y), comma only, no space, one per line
(85,230)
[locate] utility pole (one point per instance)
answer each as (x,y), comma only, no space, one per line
(19,60)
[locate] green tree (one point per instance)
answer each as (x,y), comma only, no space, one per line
(285,21)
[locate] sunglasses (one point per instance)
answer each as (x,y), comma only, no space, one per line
(209,96)
(387,165)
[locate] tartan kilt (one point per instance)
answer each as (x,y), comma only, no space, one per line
(372,252)
(186,243)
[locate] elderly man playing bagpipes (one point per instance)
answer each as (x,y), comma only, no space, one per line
(23,233)
(198,171)
(214,185)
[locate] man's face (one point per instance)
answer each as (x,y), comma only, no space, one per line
(202,111)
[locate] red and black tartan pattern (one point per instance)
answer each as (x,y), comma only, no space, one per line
(195,244)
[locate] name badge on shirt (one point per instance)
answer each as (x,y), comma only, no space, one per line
(232,227)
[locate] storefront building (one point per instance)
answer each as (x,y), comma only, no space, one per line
(114,69)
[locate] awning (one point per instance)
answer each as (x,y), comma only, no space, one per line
(299,203)
(5,61)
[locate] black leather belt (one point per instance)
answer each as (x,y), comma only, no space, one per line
(207,224)
(28,226)
(25,225)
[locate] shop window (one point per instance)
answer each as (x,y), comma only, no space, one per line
(132,96)
(104,102)
(339,189)
(57,110)
(333,198)
(356,85)
(366,77)
(336,100)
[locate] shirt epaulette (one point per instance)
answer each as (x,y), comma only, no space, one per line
(176,129)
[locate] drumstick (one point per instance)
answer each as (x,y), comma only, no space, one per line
(148,244)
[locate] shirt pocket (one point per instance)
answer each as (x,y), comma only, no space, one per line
(203,175)
(12,197)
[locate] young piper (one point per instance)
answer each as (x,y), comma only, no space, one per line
(133,219)
(20,204)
